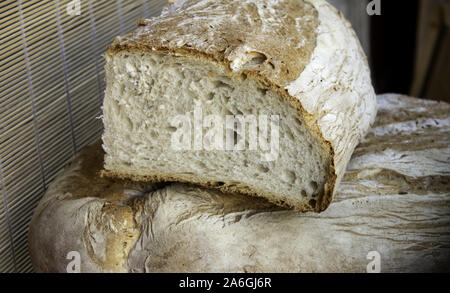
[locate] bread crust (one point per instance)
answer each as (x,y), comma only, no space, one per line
(233,32)
(230,33)
(78,212)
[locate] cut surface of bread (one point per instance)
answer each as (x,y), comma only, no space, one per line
(236,96)
(142,113)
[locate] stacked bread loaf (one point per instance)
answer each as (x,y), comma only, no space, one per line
(393,201)
(254,108)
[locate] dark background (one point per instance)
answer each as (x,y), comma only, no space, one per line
(410,48)
(393,46)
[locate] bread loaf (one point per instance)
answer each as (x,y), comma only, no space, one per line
(263,98)
(394,200)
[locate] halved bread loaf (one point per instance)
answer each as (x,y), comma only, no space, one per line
(258,97)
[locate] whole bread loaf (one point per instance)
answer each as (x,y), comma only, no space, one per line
(263,98)
(393,202)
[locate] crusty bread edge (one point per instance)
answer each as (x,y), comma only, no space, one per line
(225,187)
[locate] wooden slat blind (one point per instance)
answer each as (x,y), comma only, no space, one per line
(51,90)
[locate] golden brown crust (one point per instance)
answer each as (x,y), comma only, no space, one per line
(235,32)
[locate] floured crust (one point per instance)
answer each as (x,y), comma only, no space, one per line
(394,199)
(336,86)
(85,213)
(233,32)
(285,38)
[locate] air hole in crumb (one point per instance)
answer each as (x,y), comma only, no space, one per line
(172,129)
(288,176)
(210,96)
(127,164)
(220,183)
(312,203)
(304,194)
(313,185)
(236,137)
(201,165)
(290,135)
(255,59)
(223,82)
(154,134)
(219,83)
(262,91)
(263,168)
